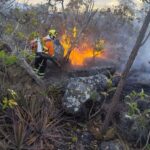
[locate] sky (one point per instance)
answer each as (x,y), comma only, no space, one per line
(98,3)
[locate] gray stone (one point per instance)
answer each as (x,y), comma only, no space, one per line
(111,145)
(79,91)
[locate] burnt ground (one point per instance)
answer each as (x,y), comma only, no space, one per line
(136,80)
(55,75)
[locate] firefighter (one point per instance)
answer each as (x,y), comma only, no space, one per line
(44,51)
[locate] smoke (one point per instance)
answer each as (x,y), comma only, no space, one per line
(121,36)
(142,61)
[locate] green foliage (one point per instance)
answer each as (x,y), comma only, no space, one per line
(147,147)
(12,93)
(8,103)
(34,22)
(141,118)
(10,100)
(2,54)
(135,95)
(142,94)
(110,88)
(28,55)
(133,109)
(31,57)
(131,98)
(33,35)
(10,60)
(7,59)
(109,83)
(94,95)
(74,139)
(20,36)
(9,29)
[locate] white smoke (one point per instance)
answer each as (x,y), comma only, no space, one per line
(142,61)
(122,39)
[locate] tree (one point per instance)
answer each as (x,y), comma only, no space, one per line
(82,12)
(115,100)
(148,1)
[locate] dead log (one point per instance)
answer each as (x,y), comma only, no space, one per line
(23,64)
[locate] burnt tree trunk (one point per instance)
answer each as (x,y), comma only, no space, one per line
(116,97)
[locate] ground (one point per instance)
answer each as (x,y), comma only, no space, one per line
(80,133)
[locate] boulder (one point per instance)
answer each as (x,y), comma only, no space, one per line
(80,90)
(111,145)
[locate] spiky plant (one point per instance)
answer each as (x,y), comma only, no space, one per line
(32,124)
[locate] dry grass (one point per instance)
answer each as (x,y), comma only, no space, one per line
(33,124)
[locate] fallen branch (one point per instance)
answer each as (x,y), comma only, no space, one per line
(23,64)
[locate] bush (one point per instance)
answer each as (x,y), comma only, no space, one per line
(7,59)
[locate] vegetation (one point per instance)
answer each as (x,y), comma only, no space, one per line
(31,112)
(140,41)
(29,123)
(7,59)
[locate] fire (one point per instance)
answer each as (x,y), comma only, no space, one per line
(81,53)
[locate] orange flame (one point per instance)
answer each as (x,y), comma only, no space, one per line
(80,54)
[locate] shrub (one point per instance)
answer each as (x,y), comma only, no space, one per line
(7,59)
